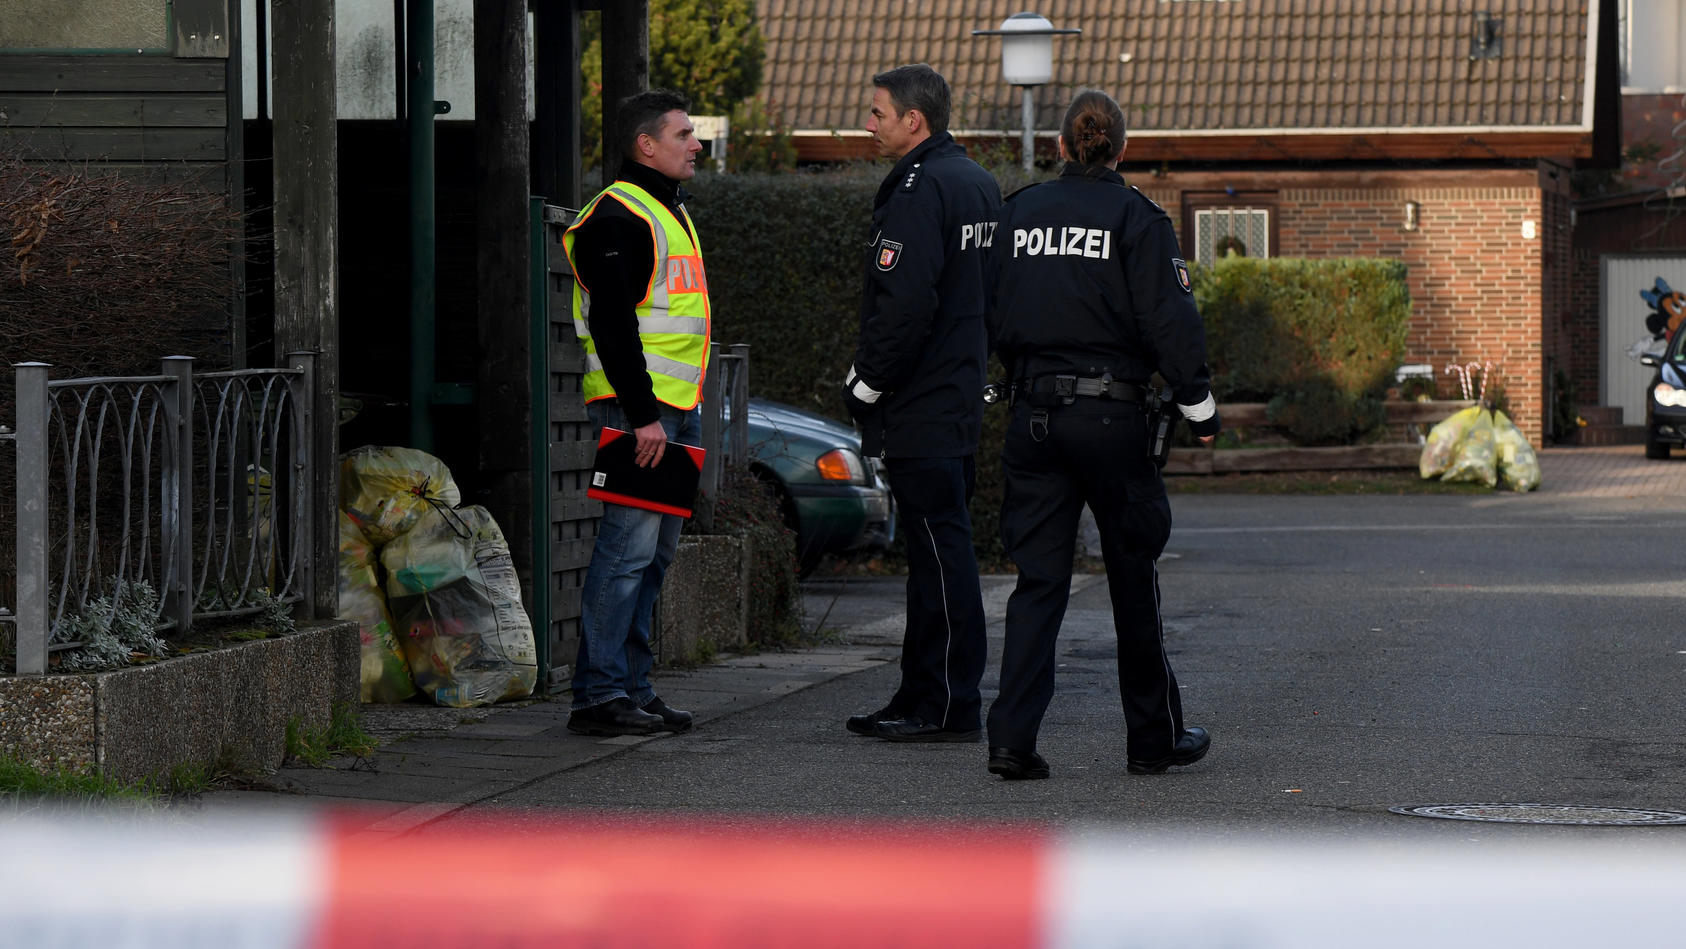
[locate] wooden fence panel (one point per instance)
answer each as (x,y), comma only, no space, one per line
(573,516)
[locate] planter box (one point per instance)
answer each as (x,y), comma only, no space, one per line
(231,703)
(1343,457)
(1340,458)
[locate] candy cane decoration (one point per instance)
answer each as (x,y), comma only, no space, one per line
(1463,377)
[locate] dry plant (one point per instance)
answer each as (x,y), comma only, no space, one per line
(105,272)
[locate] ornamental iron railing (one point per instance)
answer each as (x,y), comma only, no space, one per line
(195,486)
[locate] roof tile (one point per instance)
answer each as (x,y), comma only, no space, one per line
(1197,64)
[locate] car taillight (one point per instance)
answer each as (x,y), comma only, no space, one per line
(840,464)
(1666,394)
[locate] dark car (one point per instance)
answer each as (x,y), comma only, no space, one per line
(1665,400)
(833,498)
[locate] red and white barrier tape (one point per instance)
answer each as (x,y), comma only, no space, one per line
(586,880)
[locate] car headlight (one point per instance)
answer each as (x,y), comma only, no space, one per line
(1666,394)
(841,464)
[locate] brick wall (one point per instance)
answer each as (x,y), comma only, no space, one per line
(1480,290)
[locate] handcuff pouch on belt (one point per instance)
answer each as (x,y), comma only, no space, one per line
(1044,392)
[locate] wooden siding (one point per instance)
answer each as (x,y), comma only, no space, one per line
(114,109)
(573,516)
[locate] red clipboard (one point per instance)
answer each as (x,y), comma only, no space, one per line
(670,486)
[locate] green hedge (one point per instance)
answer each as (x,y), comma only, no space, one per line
(1275,326)
(784,275)
(785,253)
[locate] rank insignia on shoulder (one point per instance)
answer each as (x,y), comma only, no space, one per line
(912,180)
(888,253)
(1181,270)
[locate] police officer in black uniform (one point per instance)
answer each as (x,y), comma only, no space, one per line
(914,388)
(1091,297)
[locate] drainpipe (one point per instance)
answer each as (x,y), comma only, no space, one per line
(418,32)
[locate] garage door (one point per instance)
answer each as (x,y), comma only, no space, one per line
(1622,314)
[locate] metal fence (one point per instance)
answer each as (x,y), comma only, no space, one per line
(725,423)
(197,486)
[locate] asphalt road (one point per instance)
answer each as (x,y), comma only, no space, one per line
(1348,654)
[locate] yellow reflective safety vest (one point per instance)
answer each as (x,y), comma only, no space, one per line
(673,317)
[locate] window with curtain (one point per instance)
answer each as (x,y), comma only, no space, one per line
(1243,231)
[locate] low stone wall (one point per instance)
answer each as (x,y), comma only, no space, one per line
(1201,460)
(704,600)
(232,703)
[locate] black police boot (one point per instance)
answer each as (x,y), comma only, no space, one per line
(1191,746)
(1017,765)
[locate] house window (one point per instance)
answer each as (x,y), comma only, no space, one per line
(1650,33)
(1243,231)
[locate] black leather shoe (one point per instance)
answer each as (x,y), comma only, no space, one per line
(1017,765)
(1191,746)
(914,728)
(673,719)
(864,724)
(614,717)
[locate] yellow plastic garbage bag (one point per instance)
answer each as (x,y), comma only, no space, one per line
(386,489)
(456,604)
(385,675)
(1476,457)
(1440,449)
(1518,463)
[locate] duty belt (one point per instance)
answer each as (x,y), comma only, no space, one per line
(1067,388)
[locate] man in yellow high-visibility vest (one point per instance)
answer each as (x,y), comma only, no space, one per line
(641,312)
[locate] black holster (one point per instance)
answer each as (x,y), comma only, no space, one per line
(1161,425)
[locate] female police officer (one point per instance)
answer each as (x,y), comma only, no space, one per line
(1091,296)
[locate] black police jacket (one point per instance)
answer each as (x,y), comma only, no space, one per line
(917,378)
(1087,279)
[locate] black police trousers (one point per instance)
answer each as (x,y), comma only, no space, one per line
(943,650)
(1092,452)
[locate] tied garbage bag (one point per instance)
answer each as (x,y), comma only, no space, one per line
(1518,463)
(1440,449)
(1476,457)
(456,604)
(386,490)
(386,675)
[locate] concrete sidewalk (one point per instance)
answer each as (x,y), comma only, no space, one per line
(435,761)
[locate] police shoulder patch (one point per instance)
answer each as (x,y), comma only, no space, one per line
(911,179)
(1179,267)
(889,252)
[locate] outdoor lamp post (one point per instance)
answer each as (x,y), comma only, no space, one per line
(1027,60)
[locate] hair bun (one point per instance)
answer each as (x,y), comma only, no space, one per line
(1090,126)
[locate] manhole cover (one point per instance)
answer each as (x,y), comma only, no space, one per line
(1544,814)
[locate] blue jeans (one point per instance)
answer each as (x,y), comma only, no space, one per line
(633,550)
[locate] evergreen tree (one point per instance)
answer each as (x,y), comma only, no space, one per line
(710,50)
